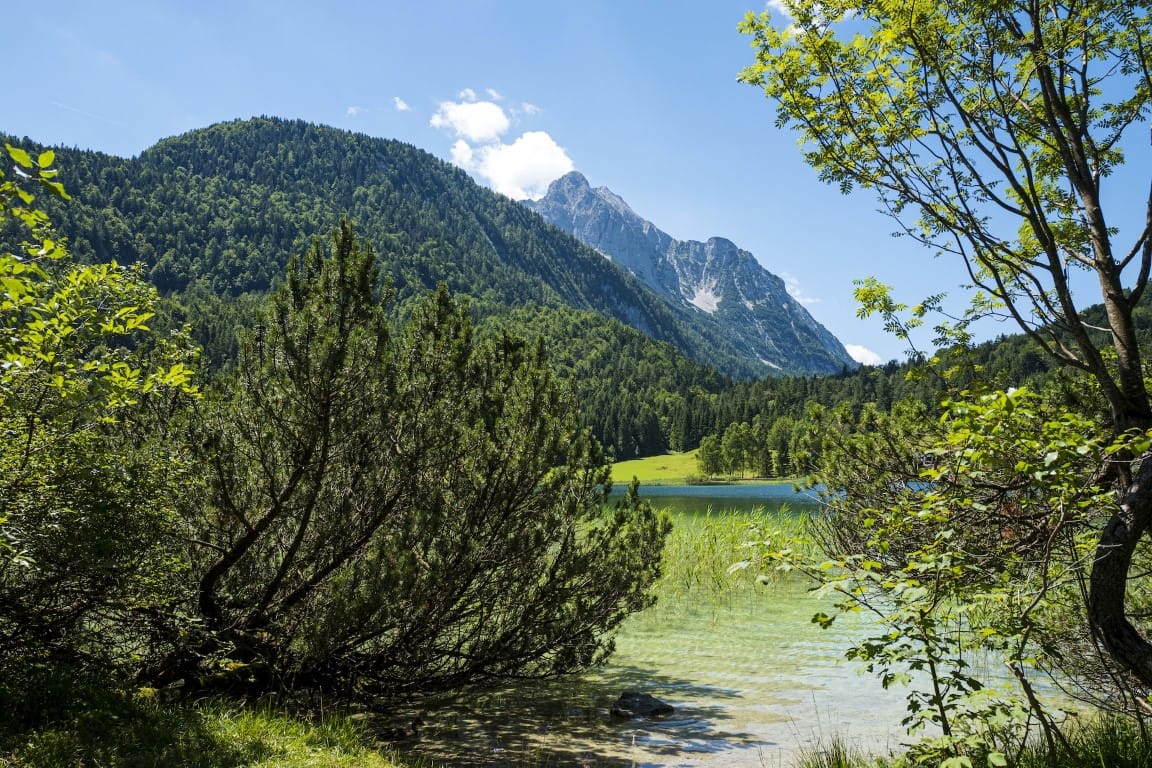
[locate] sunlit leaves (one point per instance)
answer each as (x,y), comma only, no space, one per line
(972,551)
(81,506)
(986,129)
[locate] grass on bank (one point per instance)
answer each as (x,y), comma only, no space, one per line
(1102,742)
(92,725)
(716,555)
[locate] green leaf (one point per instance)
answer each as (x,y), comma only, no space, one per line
(823,619)
(46,158)
(21,157)
(55,188)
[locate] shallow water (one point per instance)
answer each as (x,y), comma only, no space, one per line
(751,678)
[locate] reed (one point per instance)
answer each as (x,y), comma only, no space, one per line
(721,554)
(838,754)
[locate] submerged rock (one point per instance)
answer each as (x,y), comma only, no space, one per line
(637,704)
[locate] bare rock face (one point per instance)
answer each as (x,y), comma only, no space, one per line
(722,284)
(633,704)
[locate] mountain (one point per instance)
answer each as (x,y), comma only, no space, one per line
(725,287)
(212,217)
(221,210)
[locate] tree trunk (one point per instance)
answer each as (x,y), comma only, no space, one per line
(1109,580)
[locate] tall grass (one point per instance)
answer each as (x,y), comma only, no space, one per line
(723,554)
(838,754)
(1103,742)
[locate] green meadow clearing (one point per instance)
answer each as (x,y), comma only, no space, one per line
(664,469)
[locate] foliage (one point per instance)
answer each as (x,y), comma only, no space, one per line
(638,397)
(989,131)
(970,543)
(398,511)
(83,499)
(710,457)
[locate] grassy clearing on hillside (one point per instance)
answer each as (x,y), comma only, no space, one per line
(672,469)
(665,469)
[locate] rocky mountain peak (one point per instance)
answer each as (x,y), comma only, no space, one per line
(715,277)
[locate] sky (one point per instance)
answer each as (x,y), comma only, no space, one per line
(640,96)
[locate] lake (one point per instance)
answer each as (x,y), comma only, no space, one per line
(751,678)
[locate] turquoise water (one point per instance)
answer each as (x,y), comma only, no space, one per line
(751,678)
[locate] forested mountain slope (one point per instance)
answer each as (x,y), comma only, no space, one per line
(222,209)
(213,217)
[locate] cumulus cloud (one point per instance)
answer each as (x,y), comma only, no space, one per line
(792,285)
(521,168)
(400,104)
(779,7)
(863,355)
(463,155)
(474,121)
(493,94)
(353,111)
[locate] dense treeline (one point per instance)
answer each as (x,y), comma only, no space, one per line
(765,428)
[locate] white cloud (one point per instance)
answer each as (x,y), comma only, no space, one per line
(493,94)
(400,104)
(529,109)
(863,355)
(524,168)
(792,285)
(780,7)
(476,121)
(353,111)
(462,154)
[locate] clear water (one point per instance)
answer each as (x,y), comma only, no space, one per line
(751,678)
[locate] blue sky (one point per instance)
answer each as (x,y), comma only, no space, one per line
(640,96)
